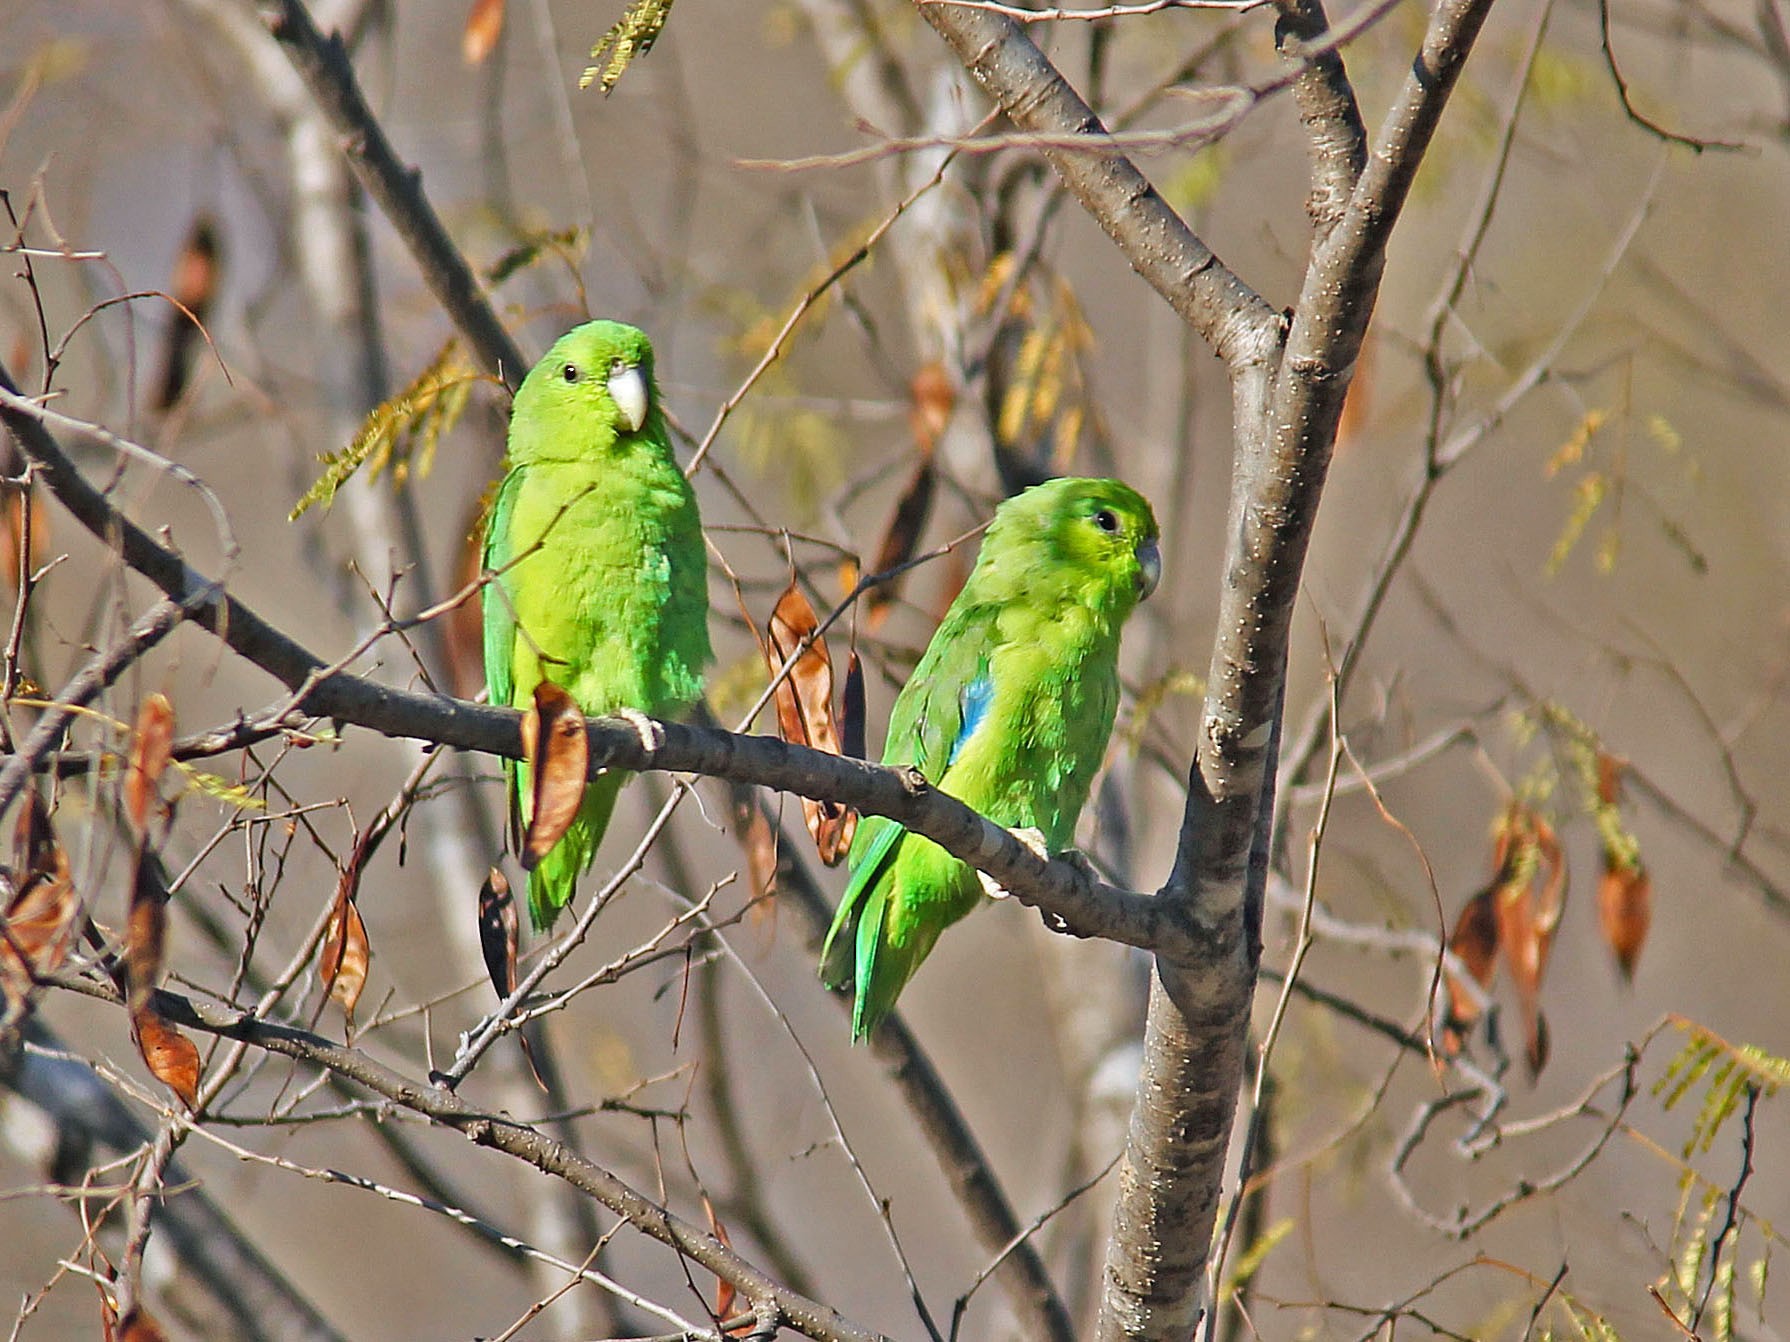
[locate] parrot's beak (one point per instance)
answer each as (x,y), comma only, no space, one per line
(1149,568)
(627,388)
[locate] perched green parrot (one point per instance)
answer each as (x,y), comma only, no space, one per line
(1009,711)
(601,577)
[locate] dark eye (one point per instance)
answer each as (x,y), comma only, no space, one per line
(570,372)
(1105,520)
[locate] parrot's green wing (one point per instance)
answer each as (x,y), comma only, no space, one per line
(500,623)
(942,705)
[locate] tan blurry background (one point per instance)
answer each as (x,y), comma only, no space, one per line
(130,121)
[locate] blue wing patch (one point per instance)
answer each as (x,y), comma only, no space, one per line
(973,703)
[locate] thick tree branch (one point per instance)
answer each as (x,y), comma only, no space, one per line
(1234,319)
(323,64)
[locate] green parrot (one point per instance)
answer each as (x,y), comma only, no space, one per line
(1009,711)
(600,573)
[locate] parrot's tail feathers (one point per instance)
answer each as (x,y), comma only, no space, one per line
(886,960)
(838,955)
(839,951)
(554,879)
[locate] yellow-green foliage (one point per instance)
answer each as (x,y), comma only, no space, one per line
(402,432)
(633,35)
(568,244)
(1706,1236)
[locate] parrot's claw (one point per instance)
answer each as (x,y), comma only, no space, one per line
(1079,860)
(651,734)
(1032,838)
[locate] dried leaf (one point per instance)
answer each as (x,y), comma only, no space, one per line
(901,538)
(805,709)
(1528,917)
(1625,912)
(41,906)
(347,954)
(497,932)
(558,753)
(195,285)
(726,1296)
(759,837)
(931,399)
(151,745)
(171,1057)
(484,25)
(37,934)
(35,850)
(13,513)
(853,714)
(1357,401)
(145,937)
(1475,945)
(140,1326)
(137,1326)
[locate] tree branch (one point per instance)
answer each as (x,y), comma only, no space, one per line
(323,64)
(500,1132)
(1233,318)
(1080,904)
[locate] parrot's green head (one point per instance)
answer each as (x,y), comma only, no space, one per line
(1100,534)
(594,386)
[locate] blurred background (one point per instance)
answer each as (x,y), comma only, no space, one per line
(1598,572)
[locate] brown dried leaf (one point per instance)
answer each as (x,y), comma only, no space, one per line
(1528,918)
(726,1295)
(37,933)
(1625,912)
(558,751)
(760,840)
(140,1326)
(805,709)
(145,938)
(40,907)
(901,538)
(347,954)
(195,285)
(853,714)
(931,399)
(35,851)
(151,745)
(497,932)
(12,511)
(484,25)
(171,1057)
(1609,778)
(1358,400)
(1475,944)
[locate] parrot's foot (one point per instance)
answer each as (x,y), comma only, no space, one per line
(652,736)
(1032,838)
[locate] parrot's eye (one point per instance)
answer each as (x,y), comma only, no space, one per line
(1105,520)
(570,372)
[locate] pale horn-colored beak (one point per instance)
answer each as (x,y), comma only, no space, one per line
(1149,568)
(627,388)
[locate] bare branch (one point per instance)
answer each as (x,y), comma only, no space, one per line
(324,66)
